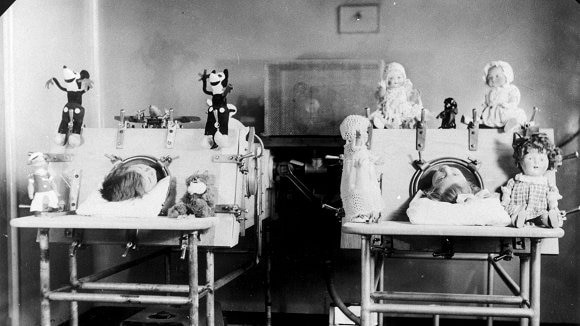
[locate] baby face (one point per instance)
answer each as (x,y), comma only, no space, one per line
(535,163)
(395,79)
(446,176)
(496,77)
(148,173)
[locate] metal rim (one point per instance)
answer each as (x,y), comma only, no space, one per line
(153,162)
(467,166)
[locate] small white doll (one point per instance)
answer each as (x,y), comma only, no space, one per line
(501,98)
(359,186)
(399,103)
(41,186)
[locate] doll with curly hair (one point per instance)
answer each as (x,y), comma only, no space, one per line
(531,197)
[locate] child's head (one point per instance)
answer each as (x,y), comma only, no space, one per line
(534,155)
(498,73)
(395,75)
(447,183)
(128,181)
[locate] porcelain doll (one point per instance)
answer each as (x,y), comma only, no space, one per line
(399,103)
(41,186)
(359,186)
(500,109)
(531,197)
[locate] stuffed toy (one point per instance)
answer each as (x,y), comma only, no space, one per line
(199,199)
(41,185)
(219,111)
(75,85)
(447,116)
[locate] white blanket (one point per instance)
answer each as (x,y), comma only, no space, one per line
(147,206)
(479,211)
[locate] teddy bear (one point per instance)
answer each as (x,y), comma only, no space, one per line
(199,199)
(219,111)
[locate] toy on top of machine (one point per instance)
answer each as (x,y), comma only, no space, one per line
(219,110)
(531,196)
(502,98)
(42,188)
(448,114)
(75,85)
(199,199)
(359,187)
(400,103)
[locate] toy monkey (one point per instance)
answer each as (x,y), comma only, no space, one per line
(447,116)
(219,111)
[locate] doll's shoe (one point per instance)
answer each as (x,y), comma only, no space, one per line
(221,140)
(207,142)
(519,218)
(74,140)
(554,220)
(59,139)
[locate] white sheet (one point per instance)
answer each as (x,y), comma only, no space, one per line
(480,211)
(147,206)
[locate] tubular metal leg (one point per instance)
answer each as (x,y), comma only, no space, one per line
(73,278)
(524,284)
(381,287)
(535,270)
(366,281)
(209,278)
(44,277)
(490,274)
(436,320)
(193,282)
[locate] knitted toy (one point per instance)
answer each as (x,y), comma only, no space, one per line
(447,116)
(75,85)
(359,185)
(531,197)
(41,185)
(219,111)
(199,199)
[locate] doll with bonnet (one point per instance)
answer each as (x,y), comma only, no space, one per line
(399,103)
(502,98)
(359,186)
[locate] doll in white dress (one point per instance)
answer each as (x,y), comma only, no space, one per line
(359,186)
(502,98)
(399,102)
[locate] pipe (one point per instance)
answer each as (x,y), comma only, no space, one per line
(453,310)
(447,297)
(118,298)
(509,282)
(334,295)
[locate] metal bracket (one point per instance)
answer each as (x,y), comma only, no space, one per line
(473,129)
(447,251)
(75,185)
(507,251)
(171,130)
(232,209)
(131,242)
(183,243)
(121,130)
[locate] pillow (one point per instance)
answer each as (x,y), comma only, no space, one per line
(147,206)
(479,211)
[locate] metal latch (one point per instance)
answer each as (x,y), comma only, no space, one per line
(232,209)
(122,127)
(473,128)
(171,130)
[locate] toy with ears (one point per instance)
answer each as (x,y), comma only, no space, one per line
(41,185)
(447,116)
(219,111)
(75,85)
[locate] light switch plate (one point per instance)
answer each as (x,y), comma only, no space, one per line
(358,18)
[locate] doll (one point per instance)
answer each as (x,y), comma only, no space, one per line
(502,98)
(125,182)
(359,186)
(531,197)
(399,103)
(73,113)
(447,116)
(41,185)
(199,199)
(219,111)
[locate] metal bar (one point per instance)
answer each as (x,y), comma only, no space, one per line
(381,287)
(429,255)
(535,270)
(73,278)
(525,284)
(121,267)
(436,320)
(118,298)
(489,284)
(193,299)
(167,261)
(233,275)
(268,276)
(44,277)
(446,297)
(365,313)
(209,278)
(452,310)
(509,282)
(137,287)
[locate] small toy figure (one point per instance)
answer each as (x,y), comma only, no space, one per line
(399,103)
(531,197)
(447,116)
(359,185)
(502,98)
(41,186)
(199,199)
(73,113)
(219,111)
(125,182)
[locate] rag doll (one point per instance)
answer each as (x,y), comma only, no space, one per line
(199,199)
(41,186)
(399,103)
(359,185)
(73,113)
(500,109)
(219,111)
(447,116)
(531,197)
